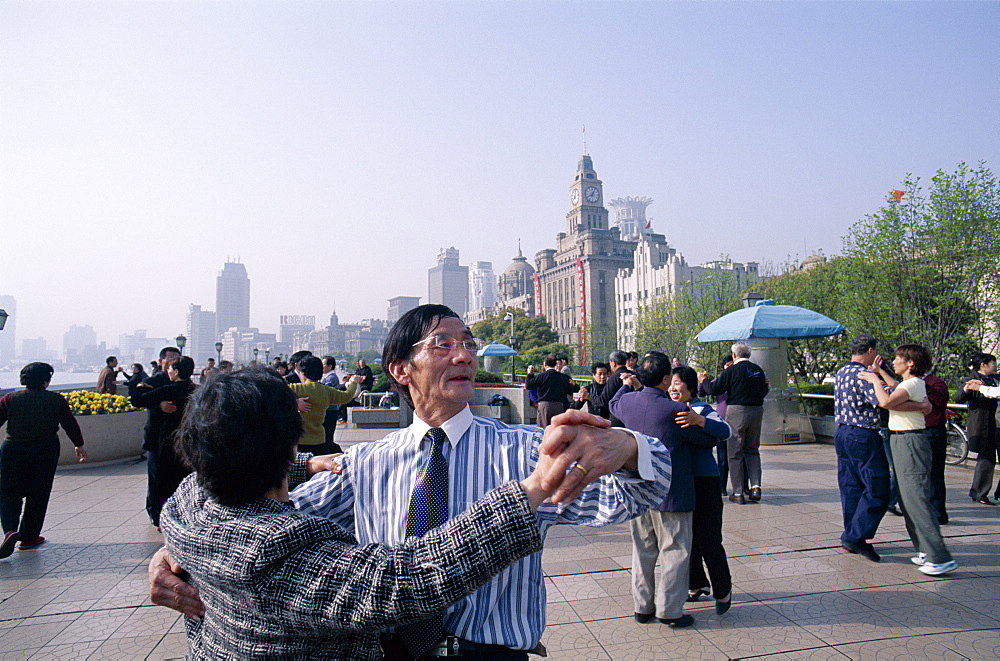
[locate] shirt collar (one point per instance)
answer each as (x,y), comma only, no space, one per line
(739,360)
(455,426)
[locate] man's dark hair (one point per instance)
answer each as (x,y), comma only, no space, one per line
(330,361)
(633,355)
(311,367)
(184,366)
(238,434)
(109,360)
(225,364)
(618,357)
(550,360)
(298,356)
(726,360)
(565,359)
(689,377)
(597,366)
(862,343)
(979,359)
(165,350)
(654,352)
(920,356)
(653,370)
(35,375)
(407,331)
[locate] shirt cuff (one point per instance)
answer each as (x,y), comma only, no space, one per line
(645,459)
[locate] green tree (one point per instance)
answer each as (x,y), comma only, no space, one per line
(923,269)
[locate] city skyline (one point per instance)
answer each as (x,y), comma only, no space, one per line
(335,148)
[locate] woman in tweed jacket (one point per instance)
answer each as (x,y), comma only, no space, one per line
(280,584)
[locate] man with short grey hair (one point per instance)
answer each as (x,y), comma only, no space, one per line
(617,360)
(745,386)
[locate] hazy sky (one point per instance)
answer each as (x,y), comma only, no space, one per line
(335,147)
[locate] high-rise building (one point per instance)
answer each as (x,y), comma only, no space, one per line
(577,278)
(232,298)
(201,336)
(399,306)
(482,286)
(36,349)
(137,348)
(8,336)
(75,340)
(295,329)
(448,283)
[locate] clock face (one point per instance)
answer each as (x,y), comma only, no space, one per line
(575,195)
(592,194)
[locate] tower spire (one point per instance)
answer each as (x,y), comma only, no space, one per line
(585,139)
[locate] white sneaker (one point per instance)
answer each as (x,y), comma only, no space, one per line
(919,559)
(931,569)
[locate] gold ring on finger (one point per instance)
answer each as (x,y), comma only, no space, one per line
(585,471)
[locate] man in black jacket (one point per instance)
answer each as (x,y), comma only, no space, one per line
(745,386)
(553,387)
(151,433)
(617,360)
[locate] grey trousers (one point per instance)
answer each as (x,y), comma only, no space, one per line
(744,445)
(547,411)
(911,454)
(667,536)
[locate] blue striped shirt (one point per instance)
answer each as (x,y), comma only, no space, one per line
(372,497)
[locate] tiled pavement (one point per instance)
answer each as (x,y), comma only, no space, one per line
(83,593)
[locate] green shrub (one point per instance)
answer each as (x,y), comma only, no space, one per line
(811,406)
(482,376)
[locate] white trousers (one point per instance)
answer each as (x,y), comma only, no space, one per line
(667,536)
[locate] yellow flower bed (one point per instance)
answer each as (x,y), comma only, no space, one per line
(85,402)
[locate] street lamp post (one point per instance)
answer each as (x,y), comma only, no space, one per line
(510,317)
(181,341)
(3,318)
(255,350)
(218,351)
(267,355)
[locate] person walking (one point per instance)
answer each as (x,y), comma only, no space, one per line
(982,425)
(912,455)
(30,453)
(553,387)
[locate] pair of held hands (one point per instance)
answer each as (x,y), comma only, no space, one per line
(576,449)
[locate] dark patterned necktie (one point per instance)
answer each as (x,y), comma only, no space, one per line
(428,510)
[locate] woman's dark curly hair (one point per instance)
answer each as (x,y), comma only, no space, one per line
(239,434)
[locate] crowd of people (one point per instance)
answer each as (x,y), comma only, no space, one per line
(268,527)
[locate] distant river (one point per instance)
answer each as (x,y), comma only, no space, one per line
(10,379)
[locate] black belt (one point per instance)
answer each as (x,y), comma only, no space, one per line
(453,647)
(893,432)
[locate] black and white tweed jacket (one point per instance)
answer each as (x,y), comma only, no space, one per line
(280,584)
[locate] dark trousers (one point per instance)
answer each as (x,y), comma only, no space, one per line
(152,461)
(938,438)
(893,486)
(982,478)
(547,411)
(330,426)
(863,477)
(722,456)
(27,469)
(706,540)
(913,469)
(744,445)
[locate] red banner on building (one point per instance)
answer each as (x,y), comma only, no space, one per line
(538,295)
(583,311)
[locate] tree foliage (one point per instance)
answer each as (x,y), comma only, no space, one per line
(533,337)
(923,269)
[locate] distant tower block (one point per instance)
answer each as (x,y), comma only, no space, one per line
(630,213)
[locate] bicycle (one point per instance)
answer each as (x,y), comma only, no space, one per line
(958,441)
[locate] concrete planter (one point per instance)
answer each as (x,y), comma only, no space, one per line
(109,437)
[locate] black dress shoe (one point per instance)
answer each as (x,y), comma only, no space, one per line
(643,618)
(892,509)
(985,501)
(864,549)
(695,595)
(722,606)
(738,498)
(678,622)
(755,494)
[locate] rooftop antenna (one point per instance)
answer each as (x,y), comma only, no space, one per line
(585,139)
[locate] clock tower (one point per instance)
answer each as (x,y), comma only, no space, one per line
(586,198)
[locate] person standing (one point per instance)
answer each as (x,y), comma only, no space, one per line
(314,438)
(30,453)
(107,379)
(138,376)
(722,449)
(367,377)
(981,425)
(331,379)
(745,386)
(937,436)
(553,387)
(599,373)
(154,419)
(617,360)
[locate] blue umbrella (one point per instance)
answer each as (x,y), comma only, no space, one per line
(496,349)
(769,320)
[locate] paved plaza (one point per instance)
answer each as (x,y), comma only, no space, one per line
(83,594)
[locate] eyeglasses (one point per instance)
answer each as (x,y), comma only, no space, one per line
(447,343)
